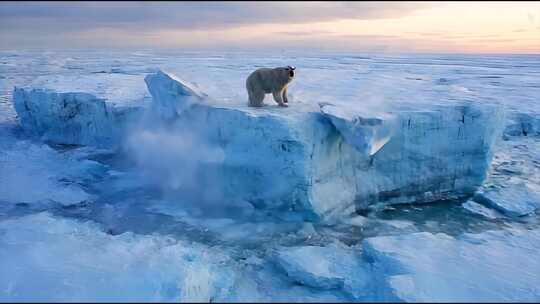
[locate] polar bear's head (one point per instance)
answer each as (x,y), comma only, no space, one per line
(287,72)
(290,70)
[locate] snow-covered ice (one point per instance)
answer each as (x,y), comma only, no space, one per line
(65,260)
(220,202)
(485,267)
(35,173)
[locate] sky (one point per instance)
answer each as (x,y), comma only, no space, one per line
(433,27)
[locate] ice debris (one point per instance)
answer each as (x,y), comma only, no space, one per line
(518,200)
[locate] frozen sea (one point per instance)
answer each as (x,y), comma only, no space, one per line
(83,224)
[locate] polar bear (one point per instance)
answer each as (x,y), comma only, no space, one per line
(265,80)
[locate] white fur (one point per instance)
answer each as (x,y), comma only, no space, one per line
(265,81)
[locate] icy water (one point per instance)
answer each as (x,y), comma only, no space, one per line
(79,223)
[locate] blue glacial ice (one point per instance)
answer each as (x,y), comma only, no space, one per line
(421,155)
(79,110)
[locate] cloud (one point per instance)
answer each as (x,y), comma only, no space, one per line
(426,34)
(493,40)
(138,24)
(304,33)
(368,37)
(71,16)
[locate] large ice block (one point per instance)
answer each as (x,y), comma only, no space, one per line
(298,159)
(318,161)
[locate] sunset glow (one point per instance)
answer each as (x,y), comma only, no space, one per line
(467,27)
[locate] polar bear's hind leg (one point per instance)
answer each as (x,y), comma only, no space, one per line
(256,98)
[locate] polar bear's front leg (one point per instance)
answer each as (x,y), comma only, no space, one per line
(284,94)
(278,98)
